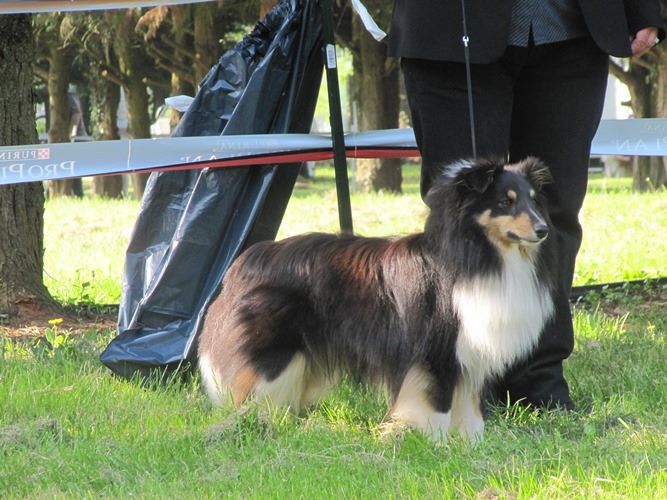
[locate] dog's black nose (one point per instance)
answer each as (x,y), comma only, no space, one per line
(541,231)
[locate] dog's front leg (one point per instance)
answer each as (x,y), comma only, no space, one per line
(424,402)
(467,415)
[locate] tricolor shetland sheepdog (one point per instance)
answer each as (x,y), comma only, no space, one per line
(430,317)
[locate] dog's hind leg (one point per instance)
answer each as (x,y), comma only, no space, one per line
(415,407)
(210,381)
(287,389)
(233,384)
(318,384)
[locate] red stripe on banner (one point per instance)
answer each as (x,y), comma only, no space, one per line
(288,157)
(277,159)
(383,153)
(36,169)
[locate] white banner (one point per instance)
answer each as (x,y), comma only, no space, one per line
(39,162)
(39,6)
(635,137)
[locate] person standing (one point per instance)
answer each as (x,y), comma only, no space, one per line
(539,74)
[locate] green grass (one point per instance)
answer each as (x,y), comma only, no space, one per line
(85,243)
(86,239)
(69,429)
(624,233)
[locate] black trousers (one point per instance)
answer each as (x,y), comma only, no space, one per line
(545,101)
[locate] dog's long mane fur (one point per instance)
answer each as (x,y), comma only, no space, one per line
(371,307)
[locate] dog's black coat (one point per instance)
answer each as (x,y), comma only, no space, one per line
(376,308)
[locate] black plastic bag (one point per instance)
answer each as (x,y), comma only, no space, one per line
(193,224)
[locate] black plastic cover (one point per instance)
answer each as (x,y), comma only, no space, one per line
(193,224)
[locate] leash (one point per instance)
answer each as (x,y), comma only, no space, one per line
(466,52)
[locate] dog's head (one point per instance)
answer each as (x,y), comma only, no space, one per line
(505,200)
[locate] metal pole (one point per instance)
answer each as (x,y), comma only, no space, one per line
(336,119)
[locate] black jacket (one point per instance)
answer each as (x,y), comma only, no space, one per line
(433,29)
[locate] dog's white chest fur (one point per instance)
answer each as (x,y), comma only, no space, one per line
(501,318)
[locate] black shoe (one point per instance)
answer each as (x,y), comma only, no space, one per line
(546,389)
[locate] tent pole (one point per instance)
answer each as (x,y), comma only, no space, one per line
(336,119)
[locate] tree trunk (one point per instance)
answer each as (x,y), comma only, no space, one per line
(138,122)
(60,66)
(647,82)
(106,96)
(647,93)
(181,33)
(661,50)
(648,173)
(21,205)
(658,172)
(641,102)
(377,91)
(132,61)
(207,48)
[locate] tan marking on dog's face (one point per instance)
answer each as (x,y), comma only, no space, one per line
(500,229)
(493,231)
(511,194)
(521,226)
(244,382)
(532,194)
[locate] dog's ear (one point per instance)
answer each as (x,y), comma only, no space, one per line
(536,172)
(476,175)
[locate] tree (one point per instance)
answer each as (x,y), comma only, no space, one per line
(21,205)
(133,64)
(205,38)
(188,40)
(375,86)
(96,70)
(59,54)
(169,33)
(646,79)
(105,97)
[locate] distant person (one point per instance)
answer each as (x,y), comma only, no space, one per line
(77,124)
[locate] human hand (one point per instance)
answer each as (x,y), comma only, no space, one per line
(644,40)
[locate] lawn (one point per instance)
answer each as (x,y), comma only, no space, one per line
(86,239)
(70,429)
